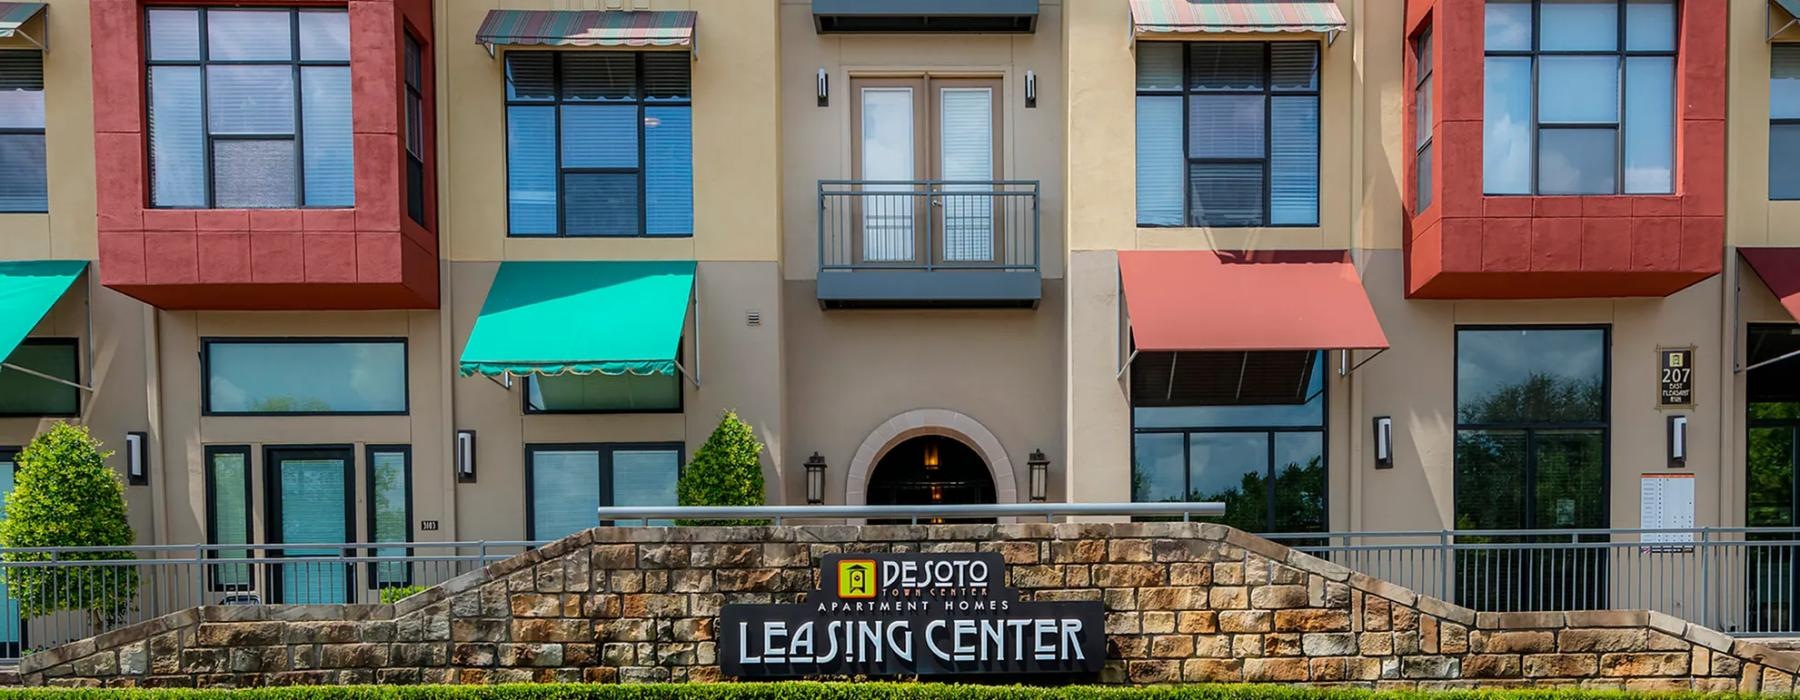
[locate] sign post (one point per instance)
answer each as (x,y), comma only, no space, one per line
(912,615)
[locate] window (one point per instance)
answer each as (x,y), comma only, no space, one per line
(1422,129)
(1784,121)
(1530,453)
(249,108)
(415,131)
(1228,133)
(599,393)
(22,182)
(598,144)
(1772,409)
(564,484)
(390,513)
(1245,429)
(310,497)
(23,393)
(228,514)
(1580,97)
(304,376)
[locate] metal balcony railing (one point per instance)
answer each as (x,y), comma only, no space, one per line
(928,224)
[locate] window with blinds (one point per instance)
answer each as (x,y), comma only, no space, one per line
(249,108)
(1228,133)
(566,484)
(228,515)
(22,183)
(599,144)
(1784,121)
(1422,121)
(415,131)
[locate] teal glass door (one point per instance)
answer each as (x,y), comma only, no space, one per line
(310,504)
(12,635)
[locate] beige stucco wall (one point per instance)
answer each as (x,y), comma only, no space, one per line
(1750,218)
(67,232)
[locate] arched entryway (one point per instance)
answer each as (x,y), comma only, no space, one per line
(930,470)
(948,425)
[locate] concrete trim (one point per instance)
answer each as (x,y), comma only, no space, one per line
(930,421)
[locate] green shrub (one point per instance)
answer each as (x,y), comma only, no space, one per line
(64,495)
(823,691)
(726,471)
(392,595)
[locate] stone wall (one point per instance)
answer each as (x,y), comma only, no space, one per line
(1185,603)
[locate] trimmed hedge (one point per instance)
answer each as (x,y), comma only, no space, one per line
(823,691)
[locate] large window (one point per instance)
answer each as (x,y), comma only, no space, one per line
(1580,97)
(26,387)
(22,183)
(228,514)
(390,512)
(1228,133)
(1784,121)
(304,376)
(249,108)
(415,131)
(1422,131)
(1531,453)
(599,393)
(1245,429)
(564,484)
(599,144)
(1772,408)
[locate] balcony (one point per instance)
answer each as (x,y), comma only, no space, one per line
(929,243)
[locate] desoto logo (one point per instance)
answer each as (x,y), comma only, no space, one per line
(856,578)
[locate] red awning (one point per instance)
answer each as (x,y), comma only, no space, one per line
(1779,268)
(1265,300)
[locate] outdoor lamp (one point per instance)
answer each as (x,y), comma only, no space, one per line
(1030,90)
(465,455)
(1040,475)
(815,479)
(824,88)
(1384,442)
(1677,441)
(931,455)
(137,460)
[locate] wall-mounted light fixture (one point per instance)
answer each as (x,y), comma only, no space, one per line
(1030,90)
(1384,442)
(137,458)
(815,479)
(824,88)
(931,455)
(465,455)
(1678,442)
(1040,476)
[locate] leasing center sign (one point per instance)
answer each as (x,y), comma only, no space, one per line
(911,614)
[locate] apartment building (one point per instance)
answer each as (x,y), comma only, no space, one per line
(402,270)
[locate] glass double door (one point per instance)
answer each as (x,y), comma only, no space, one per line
(928,151)
(310,496)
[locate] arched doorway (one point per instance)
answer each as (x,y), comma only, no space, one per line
(931,470)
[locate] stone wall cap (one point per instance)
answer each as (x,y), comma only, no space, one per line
(1520,620)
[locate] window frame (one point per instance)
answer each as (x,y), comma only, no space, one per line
(406,480)
(74,344)
(1779,121)
(413,56)
(1266,430)
(605,450)
(1621,52)
(1530,428)
(680,400)
(10,453)
(207,343)
(274,545)
(39,132)
(294,61)
(212,520)
(1422,48)
(1186,93)
(555,105)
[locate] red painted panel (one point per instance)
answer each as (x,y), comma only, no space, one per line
(250,259)
(1505,245)
(1656,243)
(1555,244)
(1605,245)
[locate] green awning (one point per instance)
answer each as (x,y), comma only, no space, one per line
(28,288)
(581,317)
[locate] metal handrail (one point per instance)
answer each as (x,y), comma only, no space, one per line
(920,214)
(1048,511)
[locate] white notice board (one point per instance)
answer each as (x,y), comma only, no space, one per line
(1666,503)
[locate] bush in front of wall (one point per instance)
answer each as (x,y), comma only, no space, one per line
(726,471)
(64,495)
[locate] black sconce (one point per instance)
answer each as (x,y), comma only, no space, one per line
(1384,442)
(1040,476)
(137,458)
(815,479)
(1030,90)
(465,456)
(824,88)
(1678,442)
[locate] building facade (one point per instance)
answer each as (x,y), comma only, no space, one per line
(402,270)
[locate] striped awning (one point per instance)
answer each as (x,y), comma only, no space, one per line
(1246,16)
(671,28)
(14,15)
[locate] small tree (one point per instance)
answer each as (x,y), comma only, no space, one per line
(64,495)
(726,471)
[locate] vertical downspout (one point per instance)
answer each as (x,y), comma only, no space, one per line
(159,482)
(446,310)
(1353,418)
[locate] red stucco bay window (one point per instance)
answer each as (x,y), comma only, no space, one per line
(369,255)
(1465,244)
